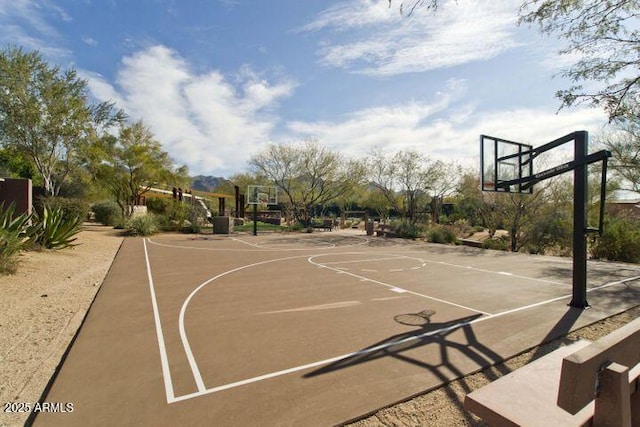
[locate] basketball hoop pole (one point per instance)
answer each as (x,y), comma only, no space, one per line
(255,219)
(264,195)
(579,294)
(580,188)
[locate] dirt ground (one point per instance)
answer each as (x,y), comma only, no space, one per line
(43,305)
(41,308)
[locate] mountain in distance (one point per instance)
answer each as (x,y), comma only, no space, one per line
(207,183)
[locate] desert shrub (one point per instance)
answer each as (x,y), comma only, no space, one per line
(460,228)
(296,226)
(441,235)
(174,217)
(141,225)
(107,212)
(192,228)
(551,230)
(71,208)
(620,241)
(159,205)
(195,213)
(407,230)
(10,246)
(53,231)
(13,236)
(497,243)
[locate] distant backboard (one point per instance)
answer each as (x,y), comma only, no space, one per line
(262,195)
(503,161)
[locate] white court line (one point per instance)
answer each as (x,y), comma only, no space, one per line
(617,282)
(468,267)
(183,334)
(385,298)
(195,248)
(203,391)
(329,306)
(383,346)
(259,248)
(255,245)
(319,363)
(365,260)
(597,288)
(310,259)
(164,361)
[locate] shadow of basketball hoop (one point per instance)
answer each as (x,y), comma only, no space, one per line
(415,319)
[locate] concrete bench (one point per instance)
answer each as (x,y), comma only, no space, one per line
(326,225)
(579,384)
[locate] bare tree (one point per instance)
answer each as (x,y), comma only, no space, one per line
(309,174)
(409,180)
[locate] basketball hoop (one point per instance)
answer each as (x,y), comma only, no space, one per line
(261,195)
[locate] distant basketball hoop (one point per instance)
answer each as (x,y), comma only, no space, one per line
(262,195)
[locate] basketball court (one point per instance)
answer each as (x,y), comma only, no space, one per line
(308,329)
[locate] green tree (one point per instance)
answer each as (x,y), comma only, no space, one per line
(624,144)
(308,174)
(130,164)
(45,116)
(604,34)
(468,201)
(14,164)
(375,201)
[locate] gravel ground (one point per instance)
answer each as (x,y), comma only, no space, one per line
(43,305)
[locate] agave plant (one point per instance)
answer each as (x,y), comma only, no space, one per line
(13,235)
(53,231)
(13,224)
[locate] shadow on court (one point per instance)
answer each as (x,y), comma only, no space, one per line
(429,334)
(559,330)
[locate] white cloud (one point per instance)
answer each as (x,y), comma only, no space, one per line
(26,23)
(354,14)
(90,41)
(384,43)
(443,129)
(201,119)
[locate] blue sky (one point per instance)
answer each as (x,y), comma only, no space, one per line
(217,80)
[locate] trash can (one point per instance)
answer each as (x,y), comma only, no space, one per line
(369,228)
(222,225)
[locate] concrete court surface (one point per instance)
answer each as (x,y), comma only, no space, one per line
(307,329)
